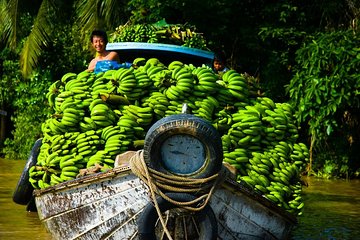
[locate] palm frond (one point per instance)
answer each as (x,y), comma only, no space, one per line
(39,37)
(8,22)
(92,14)
(110,11)
(87,15)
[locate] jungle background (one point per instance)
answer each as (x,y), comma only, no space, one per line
(305,53)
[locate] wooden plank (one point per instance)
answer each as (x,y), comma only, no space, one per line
(243,216)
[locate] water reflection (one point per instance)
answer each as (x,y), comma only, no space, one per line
(15,222)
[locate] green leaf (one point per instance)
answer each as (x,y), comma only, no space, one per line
(329,130)
(8,19)
(39,37)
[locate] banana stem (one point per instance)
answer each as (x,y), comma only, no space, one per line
(138,143)
(114,99)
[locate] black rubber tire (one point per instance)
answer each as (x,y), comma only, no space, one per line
(24,189)
(190,125)
(206,219)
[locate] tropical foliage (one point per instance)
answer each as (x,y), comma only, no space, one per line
(325,90)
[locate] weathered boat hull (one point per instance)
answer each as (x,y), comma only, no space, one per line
(107,205)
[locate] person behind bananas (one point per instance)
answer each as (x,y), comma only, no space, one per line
(219,62)
(98,39)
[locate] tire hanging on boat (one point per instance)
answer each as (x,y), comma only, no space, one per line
(24,189)
(206,219)
(184,126)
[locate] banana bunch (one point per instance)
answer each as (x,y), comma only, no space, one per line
(175,64)
(159,103)
(206,108)
(110,131)
(76,89)
(179,34)
(70,166)
(288,110)
(78,82)
(233,87)
(238,158)
(67,77)
(127,123)
(61,145)
(143,81)
(246,130)
(87,123)
(161,78)
(195,41)
(300,155)
(279,125)
(101,114)
(223,120)
(53,91)
(130,128)
(38,177)
(152,66)
(58,145)
(53,151)
(142,87)
(104,83)
(142,115)
(127,83)
(175,107)
(55,126)
(87,143)
(138,62)
(116,144)
(205,81)
(71,117)
(181,86)
(102,158)
(135,33)
(274,176)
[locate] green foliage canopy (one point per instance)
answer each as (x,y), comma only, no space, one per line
(326,82)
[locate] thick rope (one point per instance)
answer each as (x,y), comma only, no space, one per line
(158,181)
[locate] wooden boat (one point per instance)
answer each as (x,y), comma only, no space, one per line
(108,205)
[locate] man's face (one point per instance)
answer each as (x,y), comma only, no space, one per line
(98,43)
(218,66)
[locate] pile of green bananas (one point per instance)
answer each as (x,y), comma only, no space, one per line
(98,116)
(178,34)
(261,145)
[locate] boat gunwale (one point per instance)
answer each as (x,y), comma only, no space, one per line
(94,177)
(162,47)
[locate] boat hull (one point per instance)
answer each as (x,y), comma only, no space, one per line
(107,205)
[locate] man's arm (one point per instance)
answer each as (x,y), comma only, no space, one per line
(92,65)
(113,56)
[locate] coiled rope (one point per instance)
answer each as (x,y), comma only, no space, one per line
(159,182)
